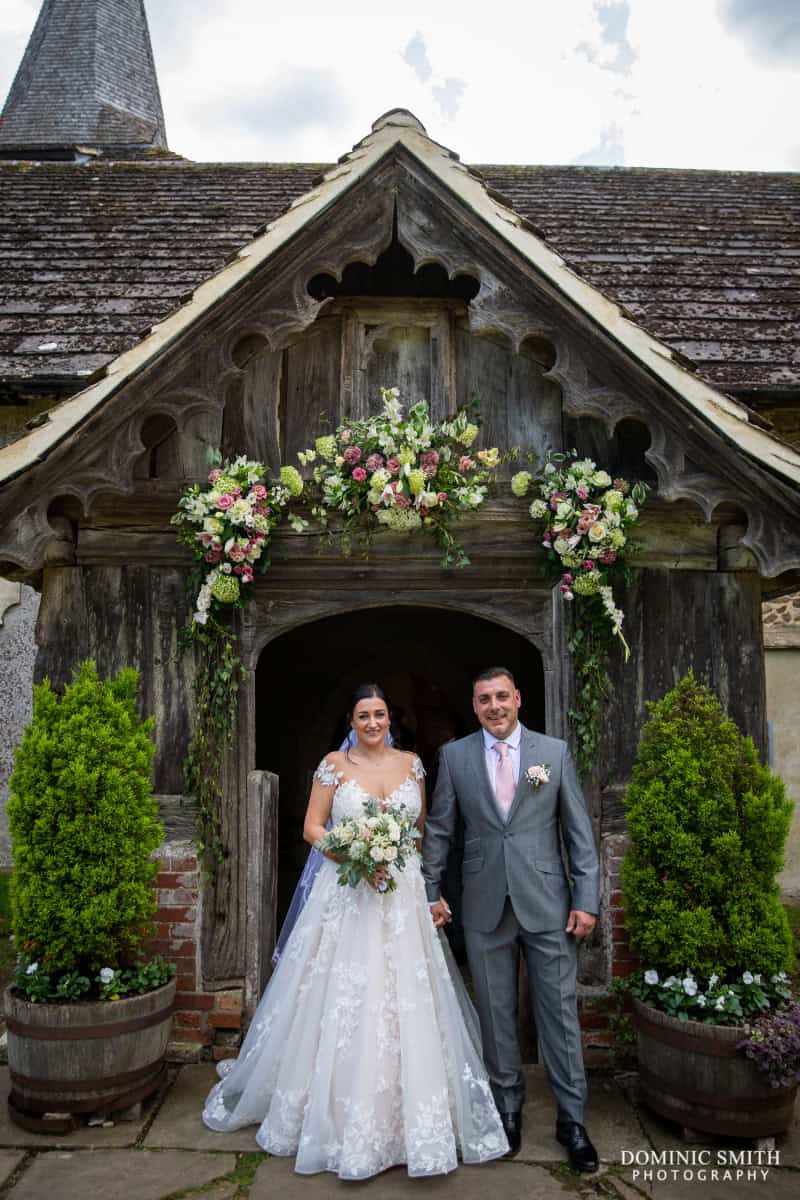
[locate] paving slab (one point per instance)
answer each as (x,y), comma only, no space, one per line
(9,1161)
(118,1174)
(611,1121)
(124,1133)
(178,1124)
(512,1180)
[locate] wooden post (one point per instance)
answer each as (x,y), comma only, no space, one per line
(262,884)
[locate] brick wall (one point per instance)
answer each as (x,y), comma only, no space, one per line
(207,1023)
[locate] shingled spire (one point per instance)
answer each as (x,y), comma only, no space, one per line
(87,78)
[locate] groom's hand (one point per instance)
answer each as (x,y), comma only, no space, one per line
(580,923)
(440,911)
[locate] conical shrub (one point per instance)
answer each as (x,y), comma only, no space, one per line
(708,824)
(84,824)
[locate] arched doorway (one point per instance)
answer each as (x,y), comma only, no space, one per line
(424,658)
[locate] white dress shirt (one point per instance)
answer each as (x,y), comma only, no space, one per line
(492,756)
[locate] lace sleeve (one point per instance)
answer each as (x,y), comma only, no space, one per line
(327,774)
(417,769)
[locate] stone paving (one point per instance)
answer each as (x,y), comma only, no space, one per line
(167,1153)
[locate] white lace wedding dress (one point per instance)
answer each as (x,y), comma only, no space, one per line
(363,1052)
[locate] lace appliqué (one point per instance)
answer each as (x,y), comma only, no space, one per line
(417,769)
(327,774)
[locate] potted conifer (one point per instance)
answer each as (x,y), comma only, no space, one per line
(707,825)
(88,1018)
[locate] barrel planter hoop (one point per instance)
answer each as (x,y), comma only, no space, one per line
(692,1073)
(97,1056)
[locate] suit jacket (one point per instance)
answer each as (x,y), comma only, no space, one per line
(521,856)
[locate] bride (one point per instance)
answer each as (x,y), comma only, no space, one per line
(364,1051)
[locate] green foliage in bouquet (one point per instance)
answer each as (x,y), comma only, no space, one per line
(708,825)
(84,824)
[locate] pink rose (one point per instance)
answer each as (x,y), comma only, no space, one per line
(236,554)
(214,475)
(259,491)
(352,455)
(567,577)
(608,556)
(225,502)
(401,501)
(374,462)
(441,497)
(238,570)
(359,474)
(247,574)
(582,493)
(465,463)
(236,491)
(588,564)
(212,556)
(394,466)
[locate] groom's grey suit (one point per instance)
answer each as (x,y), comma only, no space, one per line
(515,888)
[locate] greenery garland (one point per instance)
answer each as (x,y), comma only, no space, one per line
(587,515)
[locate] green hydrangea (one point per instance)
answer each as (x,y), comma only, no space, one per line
(225,588)
(326,447)
(585,585)
(416,482)
(521,482)
(290,478)
(406,456)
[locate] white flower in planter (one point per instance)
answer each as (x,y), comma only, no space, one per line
(32,968)
(651,978)
(106,975)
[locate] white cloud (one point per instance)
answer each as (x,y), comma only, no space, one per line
(679,84)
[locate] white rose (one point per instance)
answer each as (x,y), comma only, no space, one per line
(376,854)
(601,479)
(597,533)
(390,854)
(345,834)
(561,546)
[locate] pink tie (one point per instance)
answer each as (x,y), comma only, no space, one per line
(504,786)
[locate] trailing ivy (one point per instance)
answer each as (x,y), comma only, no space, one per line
(216,689)
(589,644)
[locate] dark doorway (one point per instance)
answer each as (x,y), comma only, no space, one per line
(424,658)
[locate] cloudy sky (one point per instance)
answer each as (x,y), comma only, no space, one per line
(683,83)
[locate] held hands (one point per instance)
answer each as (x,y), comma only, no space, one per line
(378,881)
(580,923)
(440,911)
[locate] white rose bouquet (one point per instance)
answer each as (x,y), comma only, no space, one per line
(366,843)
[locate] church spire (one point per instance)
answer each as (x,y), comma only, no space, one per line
(87,78)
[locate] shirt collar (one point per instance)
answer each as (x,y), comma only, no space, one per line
(513,739)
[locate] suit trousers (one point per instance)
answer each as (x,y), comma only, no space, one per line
(551,961)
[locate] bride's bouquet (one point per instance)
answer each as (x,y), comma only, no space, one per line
(371,841)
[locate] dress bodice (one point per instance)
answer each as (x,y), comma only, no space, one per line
(349,797)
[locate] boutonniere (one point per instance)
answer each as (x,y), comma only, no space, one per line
(537,775)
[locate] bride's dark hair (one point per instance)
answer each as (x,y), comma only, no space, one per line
(364,691)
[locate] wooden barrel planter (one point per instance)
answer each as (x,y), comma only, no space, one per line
(68,1059)
(692,1073)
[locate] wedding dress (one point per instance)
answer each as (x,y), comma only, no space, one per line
(364,1051)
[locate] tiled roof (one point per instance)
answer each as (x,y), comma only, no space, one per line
(92,255)
(87,76)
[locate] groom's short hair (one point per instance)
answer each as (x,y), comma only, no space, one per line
(492,673)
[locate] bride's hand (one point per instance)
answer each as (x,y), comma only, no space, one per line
(378,880)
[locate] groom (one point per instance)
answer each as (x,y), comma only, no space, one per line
(516,791)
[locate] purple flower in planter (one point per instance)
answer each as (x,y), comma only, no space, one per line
(773,1044)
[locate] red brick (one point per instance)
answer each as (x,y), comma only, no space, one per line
(593,1020)
(620,968)
(230,1001)
(194,1000)
(597,1039)
(595,1056)
(174,913)
(203,1036)
(188,1020)
(618,917)
(225,1020)
(615,899)
(181,949)
(159,946)
(220,1052)
(181,864)
(178,895)
(163,931)
(186,980)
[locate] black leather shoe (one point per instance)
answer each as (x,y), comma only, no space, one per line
(512,1125)
(582,1154)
